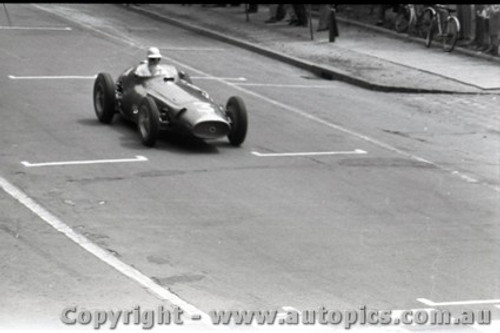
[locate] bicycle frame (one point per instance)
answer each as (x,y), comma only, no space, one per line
(448,27)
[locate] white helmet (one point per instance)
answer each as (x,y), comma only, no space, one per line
(154,52)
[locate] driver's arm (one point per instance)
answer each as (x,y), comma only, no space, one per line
(142,71)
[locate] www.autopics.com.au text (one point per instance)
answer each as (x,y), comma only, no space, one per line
(322,316)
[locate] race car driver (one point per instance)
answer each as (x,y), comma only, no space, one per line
(151,67)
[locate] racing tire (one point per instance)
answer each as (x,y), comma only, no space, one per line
(452,30)
(148,121)
(237,113)
(431,32)
(104,98)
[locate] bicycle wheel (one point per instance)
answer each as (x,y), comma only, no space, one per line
(431,32)
(451,34)
(402,21)
(424,23)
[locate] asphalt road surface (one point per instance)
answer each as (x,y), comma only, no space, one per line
(340,197)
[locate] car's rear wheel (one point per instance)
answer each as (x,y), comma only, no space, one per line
(104,98)
(148,121)
(237,113)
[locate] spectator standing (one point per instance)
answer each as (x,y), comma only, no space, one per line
(482,40)
(301,14)
(253,8)
(382,10)
(324,12)
(466,17)
(324,16)
(290,13)
(492,12)
(276,13)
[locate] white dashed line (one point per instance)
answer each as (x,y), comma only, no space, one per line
(3,27)
(58,77)
(191,49)
(471,302)
(356,151)
(123,160)
(219,78)
(280,85)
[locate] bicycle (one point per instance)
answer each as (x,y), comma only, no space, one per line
(414,19)
(448,28)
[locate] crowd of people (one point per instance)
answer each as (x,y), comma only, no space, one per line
(292,14)
(480,24)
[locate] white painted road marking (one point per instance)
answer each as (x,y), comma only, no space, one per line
(190,48)
(279,85)
(57,77)
(319,153)
(100,253)
(136,159)
(431,303)
(3,27)
(219,78)
(88,77)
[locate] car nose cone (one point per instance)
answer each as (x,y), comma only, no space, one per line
(211,129)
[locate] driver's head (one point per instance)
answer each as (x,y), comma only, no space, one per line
(154,56)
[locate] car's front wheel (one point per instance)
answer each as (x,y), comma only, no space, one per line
(148,121)
(237,113)
(104,98)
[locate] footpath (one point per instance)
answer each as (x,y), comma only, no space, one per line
(363,54)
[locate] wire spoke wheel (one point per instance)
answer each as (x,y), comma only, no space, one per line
(424,24)
(451,34)
(144,122)
(148,121)
(402,21)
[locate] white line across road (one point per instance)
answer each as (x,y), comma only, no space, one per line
(471,302)
(89,77)
(280,85)
(55,77)
(318,153)
(219,78)
(191,49)
(123,160)
(4,27)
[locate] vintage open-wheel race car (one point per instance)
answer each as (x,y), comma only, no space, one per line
(168,102)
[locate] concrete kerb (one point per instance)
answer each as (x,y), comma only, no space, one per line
(322,71)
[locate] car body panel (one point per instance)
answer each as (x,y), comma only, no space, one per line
(182,105)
